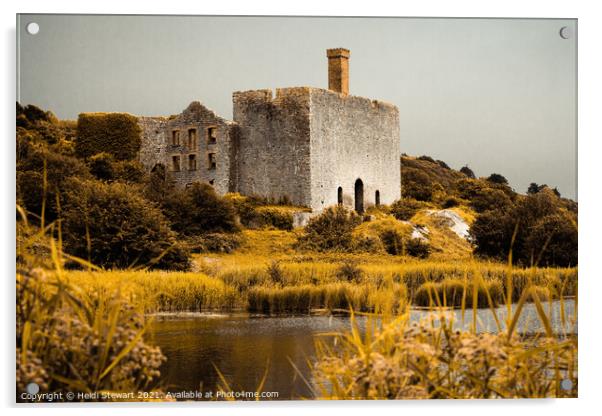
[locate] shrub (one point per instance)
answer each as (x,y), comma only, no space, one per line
(416,247)
(114,133)
(427,158)
(33,163)
(198,210)
(66,340)
(275,273)
(469,188)
(491,199)
(405,208)
(391,232)
(443,164)
(393,241)
(104,167)
(214,242)
(553,241)
(270,217)
(113,226)
(497,178)
(451,202)
(537,219)
(130,171)
(349,271)
(416,184)
(468,172)
(331,230)
(101,166)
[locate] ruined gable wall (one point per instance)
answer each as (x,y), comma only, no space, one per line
(353,137)
(273,150)
(158,147)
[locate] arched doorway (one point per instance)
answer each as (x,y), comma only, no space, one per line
(377,198)
(340,196)
(359,196)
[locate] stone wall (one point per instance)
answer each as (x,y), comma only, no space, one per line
(353,138)
(302,145)
(194,126)
(273,157)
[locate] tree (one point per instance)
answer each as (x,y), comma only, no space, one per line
(538,227)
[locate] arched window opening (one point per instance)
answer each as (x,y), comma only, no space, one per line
(340,196)
(359,196)
(377,198)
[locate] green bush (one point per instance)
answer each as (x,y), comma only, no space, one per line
(113,226)
(468,172)
(114,133)
(491,199)
(36,161)
(416,247)
(349,271)
(469,188)
(104,167)
(214,242)
(498,179)
(199,210)
(537,227)
(270,217)
(405,208)
(416,184)
(101,166)
(451,202)
(331,230)
(553,240)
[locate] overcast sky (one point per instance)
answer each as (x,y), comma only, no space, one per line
(496,94)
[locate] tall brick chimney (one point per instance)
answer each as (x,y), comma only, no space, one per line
(338,70)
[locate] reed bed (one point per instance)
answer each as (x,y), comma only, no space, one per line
(293,285)
(335,297)
(158,291)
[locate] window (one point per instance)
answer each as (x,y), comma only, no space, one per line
(212,135)
(377,198)
(175,163)
(340,196)
(192,138)
(175,138)
(211,182)
(212,161)
(191,162)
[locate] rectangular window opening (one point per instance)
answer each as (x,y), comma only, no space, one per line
(212,135)
(212,161)
(175,138)
(191,162)
(175,163)
(192,138)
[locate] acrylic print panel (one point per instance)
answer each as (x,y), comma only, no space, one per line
(278,208)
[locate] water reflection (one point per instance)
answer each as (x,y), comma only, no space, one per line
(242,346)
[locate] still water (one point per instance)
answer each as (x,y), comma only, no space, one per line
(243,346)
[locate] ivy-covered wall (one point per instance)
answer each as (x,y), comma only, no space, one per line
(114,133)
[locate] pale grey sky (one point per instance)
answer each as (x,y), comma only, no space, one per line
(496,94)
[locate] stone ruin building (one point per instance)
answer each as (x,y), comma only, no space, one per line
(311,146)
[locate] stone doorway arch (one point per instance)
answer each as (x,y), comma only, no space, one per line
(359,196)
